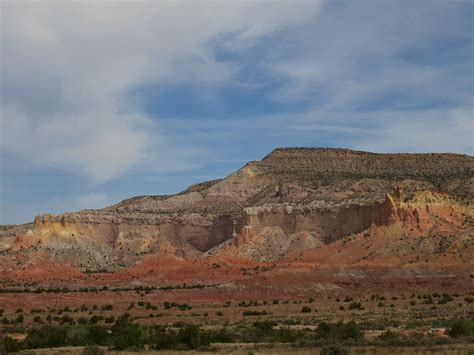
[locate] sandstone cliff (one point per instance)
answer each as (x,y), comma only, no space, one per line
(293,200)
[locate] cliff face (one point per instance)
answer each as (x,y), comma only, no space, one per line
(271,232)
(111,239)
(324,166)
(293,200)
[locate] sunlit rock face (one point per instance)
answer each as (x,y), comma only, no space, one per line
(293,200)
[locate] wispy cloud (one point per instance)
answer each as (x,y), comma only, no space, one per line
(148,97)
(67,67)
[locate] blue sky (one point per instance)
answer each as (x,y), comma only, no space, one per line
(106,100)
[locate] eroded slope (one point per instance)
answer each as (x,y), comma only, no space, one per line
(297,210)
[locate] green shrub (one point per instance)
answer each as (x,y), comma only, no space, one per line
(125,334)
(92,350)
(305,310)
(67,319)
(95,319)
(396,339)
(9,345)
(183,307)
(336,349)
(389,336)
(193,337)
(188,336)
(461,328)
(285,335)
(97,335)
(355,305)
(48,336)
(446,298)
(77,336)
(339,331)
(264,327)
(255,313)
(164,340)
(259,332)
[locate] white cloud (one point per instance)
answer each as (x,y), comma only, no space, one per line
(98,143)
(67,69)
(421,131)
(428,131)
(67,66)
(359,51)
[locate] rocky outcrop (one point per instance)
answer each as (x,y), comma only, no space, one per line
(294,199)
(270,232)
(106,240)
(447,172)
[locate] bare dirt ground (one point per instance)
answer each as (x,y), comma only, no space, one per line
(150,308)
(245,349)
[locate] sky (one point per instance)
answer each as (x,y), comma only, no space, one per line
(105,100)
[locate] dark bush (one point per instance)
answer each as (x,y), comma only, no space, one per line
(336,349)
(48,336)
(188,337)
(461,328)
(254,313)
(125,334)
(92,350)
(285,335)
(97,335)
(9,345)
(193,337)
(355,305)
(264,327)
(396,339)
(339,331)
(95,319)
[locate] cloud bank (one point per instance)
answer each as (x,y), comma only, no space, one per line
(67,67)
(103,100)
